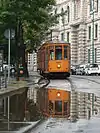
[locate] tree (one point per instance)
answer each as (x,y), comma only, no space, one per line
(31,20)
(35,17)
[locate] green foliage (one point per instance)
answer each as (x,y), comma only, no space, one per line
(36,17)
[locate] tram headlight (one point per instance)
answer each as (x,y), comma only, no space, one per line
(58,65)
(58,94)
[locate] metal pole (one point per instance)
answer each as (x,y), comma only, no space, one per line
(0,81)
(93,35)
(9,56)
(5,87)
(8,112)
(4,106)
(93,32)
(92,103)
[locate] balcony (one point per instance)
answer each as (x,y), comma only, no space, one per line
(76,22)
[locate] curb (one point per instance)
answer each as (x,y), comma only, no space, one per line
(42,78)
(31,128)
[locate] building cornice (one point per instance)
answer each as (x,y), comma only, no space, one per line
(62,3)
(77,22)
(90,21)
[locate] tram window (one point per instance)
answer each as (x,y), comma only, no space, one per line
(51,48)
(58,106)
(58,52)
(65,52)
(51,54)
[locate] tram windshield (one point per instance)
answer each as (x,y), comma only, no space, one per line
(58,52)
(58,106)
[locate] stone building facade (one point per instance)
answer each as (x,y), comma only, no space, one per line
(32,62)
(84,105)
(76,26)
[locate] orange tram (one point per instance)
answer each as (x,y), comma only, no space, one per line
(53,58)
(53,102)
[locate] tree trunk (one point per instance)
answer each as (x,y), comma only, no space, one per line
(24,63)
(20,50)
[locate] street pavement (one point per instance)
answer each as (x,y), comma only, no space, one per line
(62,125)
(90,84)
(85,84)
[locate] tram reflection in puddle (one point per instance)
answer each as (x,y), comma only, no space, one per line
(54,102)
(73,105)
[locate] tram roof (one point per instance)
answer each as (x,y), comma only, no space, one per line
(56,41)
(53,42)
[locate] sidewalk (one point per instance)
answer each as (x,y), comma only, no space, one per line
(25,129)
(28,128)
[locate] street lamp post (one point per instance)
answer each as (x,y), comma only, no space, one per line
(92,13)
(9,34)
(9,55)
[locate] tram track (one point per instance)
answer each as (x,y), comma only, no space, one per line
(71,83)
(65,84)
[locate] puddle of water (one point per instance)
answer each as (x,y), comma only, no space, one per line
(69,104)
(12,126)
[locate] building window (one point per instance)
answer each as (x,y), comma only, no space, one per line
(97,5)
(68,13)
(95,98)
(63,17)
(56,11)
(62,36)
(95,55)
(91,5)
(96,31)
(88,55)
(89,32)
(67,36)
(88,96)
(75,9)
